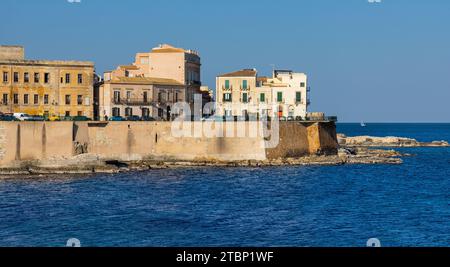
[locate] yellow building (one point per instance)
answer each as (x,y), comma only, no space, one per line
(42,87)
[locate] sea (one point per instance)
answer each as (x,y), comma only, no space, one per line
(404,205)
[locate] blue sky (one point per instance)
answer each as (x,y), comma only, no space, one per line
(386,62)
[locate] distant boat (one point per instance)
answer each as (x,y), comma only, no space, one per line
(363,124)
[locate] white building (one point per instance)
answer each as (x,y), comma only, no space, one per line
(243,93)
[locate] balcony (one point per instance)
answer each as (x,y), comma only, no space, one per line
(132,101)
(227,89)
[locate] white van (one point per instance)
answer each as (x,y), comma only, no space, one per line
(22,116)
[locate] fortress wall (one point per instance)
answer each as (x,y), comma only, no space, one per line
(27,141)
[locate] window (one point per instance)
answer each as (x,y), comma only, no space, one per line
(26,77)
(262,97)
(244,98)
(5,77)
(67,99)
(144,60)
(227,97)
(16,77)
(227,84)
(145,97)
(80,113)
(67,113)
(302,84)
(145,112)
(16,99)
(45,99)
(176,97)
(244,84)
(280,96)
(298,97)
(80,100)
(67,77)
(36,77)
(128,95)
(116,112)
(46,77)
(128,112)
(25,99)
(36,99)
(80,78)
(116,96)
(5,99)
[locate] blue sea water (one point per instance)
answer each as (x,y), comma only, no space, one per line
(401,205)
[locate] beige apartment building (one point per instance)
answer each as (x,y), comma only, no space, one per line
(42,87)
(243,93)
(166,73)
(139,96)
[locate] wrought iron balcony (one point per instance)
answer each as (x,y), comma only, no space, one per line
(132,101)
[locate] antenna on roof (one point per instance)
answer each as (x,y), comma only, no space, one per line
(273,69)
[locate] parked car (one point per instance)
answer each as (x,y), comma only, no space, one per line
(148,118)
(66,118)
(81,118)
(22,116)
(8,117)
(133,118)
(116,118)
(35,118)
(53,118)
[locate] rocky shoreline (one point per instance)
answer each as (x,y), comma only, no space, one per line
(390,141)
(360,156)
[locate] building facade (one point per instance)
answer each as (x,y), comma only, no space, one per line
(243,93)
(166,70)
(139,96)
(42,87)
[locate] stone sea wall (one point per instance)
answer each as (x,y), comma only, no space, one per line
(33,142)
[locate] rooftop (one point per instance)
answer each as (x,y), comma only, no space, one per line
(47,62)
(241,73)
(166,48)
(143,80)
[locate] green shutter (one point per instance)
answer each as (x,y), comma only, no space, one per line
(262,97)
(280,96)
(244,84)
(298,97)
(227,84)
(244,97)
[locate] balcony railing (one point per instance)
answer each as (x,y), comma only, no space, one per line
(139,102)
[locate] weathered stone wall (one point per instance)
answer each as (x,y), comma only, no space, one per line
(29,141)
(141,140)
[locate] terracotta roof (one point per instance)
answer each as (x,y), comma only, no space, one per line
(262,79)
(129,67)
(144,80)
(241,73)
